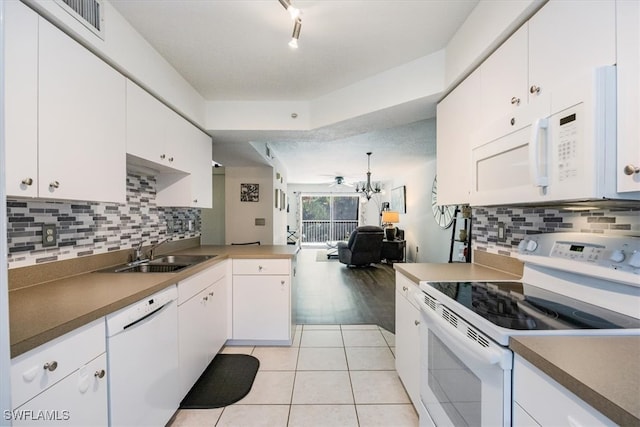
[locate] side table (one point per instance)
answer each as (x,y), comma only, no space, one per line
(394,250)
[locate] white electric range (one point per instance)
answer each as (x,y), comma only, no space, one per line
(572,284)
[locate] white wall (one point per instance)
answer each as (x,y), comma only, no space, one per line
(213,220)
(240,216)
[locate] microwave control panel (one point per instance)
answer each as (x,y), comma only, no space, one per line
(567,147)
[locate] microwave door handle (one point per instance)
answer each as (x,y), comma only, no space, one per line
(534,152)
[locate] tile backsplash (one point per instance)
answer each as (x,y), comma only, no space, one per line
(90,228)
(519,222)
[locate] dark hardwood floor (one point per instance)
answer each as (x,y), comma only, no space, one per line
(327,293)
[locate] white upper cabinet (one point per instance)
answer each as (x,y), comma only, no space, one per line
(81,122)
(458,119)
(568,39)
(504,84)
(201,180)
(21,99)
(628,44)
(65,133)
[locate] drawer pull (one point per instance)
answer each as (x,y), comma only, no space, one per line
(99,373)
(54,184)
(416,322)
(259,268)
(27,181)
(404,288)
(51,366)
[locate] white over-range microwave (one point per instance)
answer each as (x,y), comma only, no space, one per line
(559,148)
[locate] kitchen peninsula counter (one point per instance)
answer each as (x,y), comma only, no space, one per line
(41,311)
(601,370)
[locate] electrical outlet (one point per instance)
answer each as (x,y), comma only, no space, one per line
(49,235)
(501,232)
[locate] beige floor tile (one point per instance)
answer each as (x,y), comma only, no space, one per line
(270,387)
(323,416)
(378,387)
(359,327)
(370,359)
(387,415)
(389,337)
(196,417)
(254,416)
(321,327)
(321,339)
(277,358)
(363,338)
(325,387)
(237,349)
(297,336)
(322,359)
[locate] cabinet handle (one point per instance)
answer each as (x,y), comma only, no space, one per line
(162,156)
(534,89)
(259,268)
(54,184)
(51,366)
(211,293)
(515,101)
(512,121)
(205,298)
(27,181)
(404,288)
(195,200)
(631,169)
(417,322)
(99,373)
(170,159)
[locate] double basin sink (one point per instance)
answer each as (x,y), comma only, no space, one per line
(162,264)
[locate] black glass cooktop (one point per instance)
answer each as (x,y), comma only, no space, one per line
(513,305)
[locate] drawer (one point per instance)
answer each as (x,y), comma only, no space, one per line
(193,285)
(407,288)
(29,372)
(261,266)
(548,402)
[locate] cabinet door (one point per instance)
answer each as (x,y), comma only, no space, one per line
(408,345)
(628,43)
(261,307)
(504,79)
(80,399)
(457,119)
(217,317)
(81,122)
(201,182)
(146,122)
(193,330)
(179,142)
(21,99)
(568,39)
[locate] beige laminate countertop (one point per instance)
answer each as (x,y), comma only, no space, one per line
(456,271)
(43,312)
(602,371)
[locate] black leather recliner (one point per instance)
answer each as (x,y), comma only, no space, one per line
(363,248)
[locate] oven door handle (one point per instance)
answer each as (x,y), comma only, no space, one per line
(462,345)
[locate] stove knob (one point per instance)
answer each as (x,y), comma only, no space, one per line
(634,261)
(532,245)
(617,256)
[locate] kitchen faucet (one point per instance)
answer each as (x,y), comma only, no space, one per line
(153,248)
(138,251)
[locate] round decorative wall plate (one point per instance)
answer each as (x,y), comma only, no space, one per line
(441,213)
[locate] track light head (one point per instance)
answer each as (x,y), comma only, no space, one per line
(294,12)
(296,33)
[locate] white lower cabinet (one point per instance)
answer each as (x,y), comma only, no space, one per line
(62,382)
(408,337)
(540,400)
(261,304)
(202,322)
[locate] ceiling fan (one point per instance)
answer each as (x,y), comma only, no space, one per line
(339,180)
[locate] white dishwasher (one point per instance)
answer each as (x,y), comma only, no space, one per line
(142,360)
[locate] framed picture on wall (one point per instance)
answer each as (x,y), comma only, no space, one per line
(283,200)
(276,196)
(249,192)
(398,199)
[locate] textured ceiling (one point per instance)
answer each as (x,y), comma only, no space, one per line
(237,50)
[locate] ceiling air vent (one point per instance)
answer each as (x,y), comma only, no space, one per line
(88,12)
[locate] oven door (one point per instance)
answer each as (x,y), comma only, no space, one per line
(465,378)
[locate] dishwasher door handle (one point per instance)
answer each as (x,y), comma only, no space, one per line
(147,316)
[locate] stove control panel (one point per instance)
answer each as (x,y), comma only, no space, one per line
(613,252)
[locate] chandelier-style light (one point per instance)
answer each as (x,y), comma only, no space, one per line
(365,188)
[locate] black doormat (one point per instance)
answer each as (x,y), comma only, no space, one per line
(227,379)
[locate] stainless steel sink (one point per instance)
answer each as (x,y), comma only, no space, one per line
(162,264)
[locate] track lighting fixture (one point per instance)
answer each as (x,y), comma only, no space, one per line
(296,34)
(294,12)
